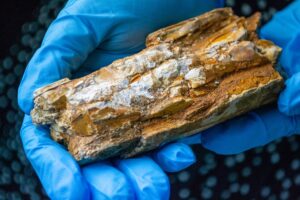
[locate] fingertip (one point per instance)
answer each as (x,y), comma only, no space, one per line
(147,179)
(215,140)
(25,103)
(67,182)
(190,140)
(59,173)
(289,99)
(174,157)
(106,182)
(31,135)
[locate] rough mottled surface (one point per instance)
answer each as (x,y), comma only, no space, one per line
(191,76)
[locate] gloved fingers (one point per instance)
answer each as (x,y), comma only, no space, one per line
(174,157)
(290,58)
(250,130)
(107,182)
(59,173)
(147,179)
(286,23)
(75,33)
(190,140)
(289,99)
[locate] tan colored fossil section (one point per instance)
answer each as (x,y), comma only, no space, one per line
(191,76)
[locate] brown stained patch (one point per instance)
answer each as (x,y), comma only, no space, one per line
(121,121)
(264,43)
(199,107)
(254,79)
(105,75)
(228,34)
(82,125)
(158,126)
(170,106)
(204,89)
(178,81)
(198,92)
(97,114)
(60,137)
(253,22)
(60,103)
(135,78)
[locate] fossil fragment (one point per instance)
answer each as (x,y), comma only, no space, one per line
(191,76)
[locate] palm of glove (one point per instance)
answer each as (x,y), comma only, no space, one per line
(89,34)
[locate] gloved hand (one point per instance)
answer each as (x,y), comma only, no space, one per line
(271,122)
(87,35)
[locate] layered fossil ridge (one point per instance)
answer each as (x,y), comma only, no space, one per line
(192,75)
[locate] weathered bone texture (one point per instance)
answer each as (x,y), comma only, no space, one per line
(191,76)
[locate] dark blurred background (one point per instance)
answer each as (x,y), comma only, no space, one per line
(270,172)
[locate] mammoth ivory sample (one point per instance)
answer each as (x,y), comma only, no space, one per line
(191,76)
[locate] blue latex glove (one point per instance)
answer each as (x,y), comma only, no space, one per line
(86,35)
(269,123)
